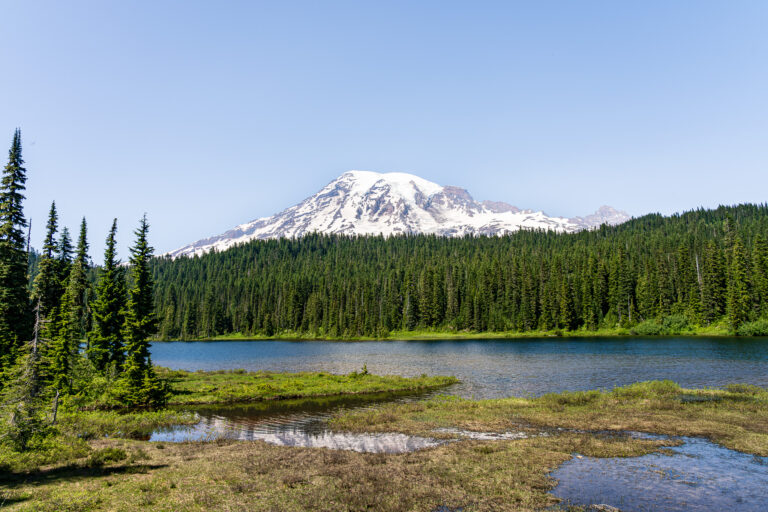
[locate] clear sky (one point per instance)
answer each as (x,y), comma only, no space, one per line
(209,114)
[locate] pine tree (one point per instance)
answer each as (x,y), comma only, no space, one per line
(106,340)
(141,386)
(15,317)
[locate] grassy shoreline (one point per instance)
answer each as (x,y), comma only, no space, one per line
(123,474)
(425,335)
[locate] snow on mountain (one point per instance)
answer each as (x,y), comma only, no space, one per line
(371,203)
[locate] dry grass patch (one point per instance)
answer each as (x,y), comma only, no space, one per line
(736,417)
(254,476)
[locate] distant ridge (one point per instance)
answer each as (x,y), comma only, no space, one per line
(371,203)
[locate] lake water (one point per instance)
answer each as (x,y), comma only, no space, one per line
(497,368)
(696,476)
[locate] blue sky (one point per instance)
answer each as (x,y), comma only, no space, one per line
(209,114)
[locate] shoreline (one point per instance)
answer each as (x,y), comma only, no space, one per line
(452,335)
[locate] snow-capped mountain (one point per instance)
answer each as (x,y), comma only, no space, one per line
(368,203)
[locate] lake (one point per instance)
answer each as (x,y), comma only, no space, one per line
(697,475)
(497,368)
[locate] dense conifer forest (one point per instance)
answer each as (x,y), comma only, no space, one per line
(651,275)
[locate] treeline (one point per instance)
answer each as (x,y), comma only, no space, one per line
(49,309)
(700,268)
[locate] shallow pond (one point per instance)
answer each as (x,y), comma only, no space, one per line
(296,423)
(697,475)
(496,368)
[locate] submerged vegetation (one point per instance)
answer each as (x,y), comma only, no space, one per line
(701,271)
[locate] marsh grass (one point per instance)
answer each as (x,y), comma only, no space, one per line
(121,474)
(227,475)
(240,386)
(736,417)
(75,426)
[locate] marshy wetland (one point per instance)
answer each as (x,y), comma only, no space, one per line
(349,440)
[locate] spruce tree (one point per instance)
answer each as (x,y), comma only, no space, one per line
(714,283)
(106,340)
(140,385)
(48,286)
(15,317)
(73,313)
(738,290)
(759,276)
(65,248)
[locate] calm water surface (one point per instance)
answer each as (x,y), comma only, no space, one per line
(497,368)
(697,476)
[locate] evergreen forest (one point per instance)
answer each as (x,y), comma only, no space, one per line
(704,269)
(67,342)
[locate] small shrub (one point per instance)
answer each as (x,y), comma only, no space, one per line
(756,328)
(675,324)
(138,455)
(106,456)
(648,328)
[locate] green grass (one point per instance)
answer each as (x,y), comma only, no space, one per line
(75,427)
(720,329)
(241,386)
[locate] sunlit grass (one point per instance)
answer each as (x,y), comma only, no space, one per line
(241,386)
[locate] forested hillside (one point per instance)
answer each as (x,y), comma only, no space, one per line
(650,274)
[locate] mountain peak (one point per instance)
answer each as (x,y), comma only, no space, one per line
(371,203)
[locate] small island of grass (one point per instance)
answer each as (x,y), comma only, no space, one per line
(231,386)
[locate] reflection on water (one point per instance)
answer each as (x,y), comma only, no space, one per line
(699,475)
(299,422)
(483,436)
(496,368)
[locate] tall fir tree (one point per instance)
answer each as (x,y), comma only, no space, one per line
(48,283)
(48,286)
(15,313)
(714,283)
(106,342)
(141,386)
(73,312)
(738,286)
(65,248)
(759,276)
